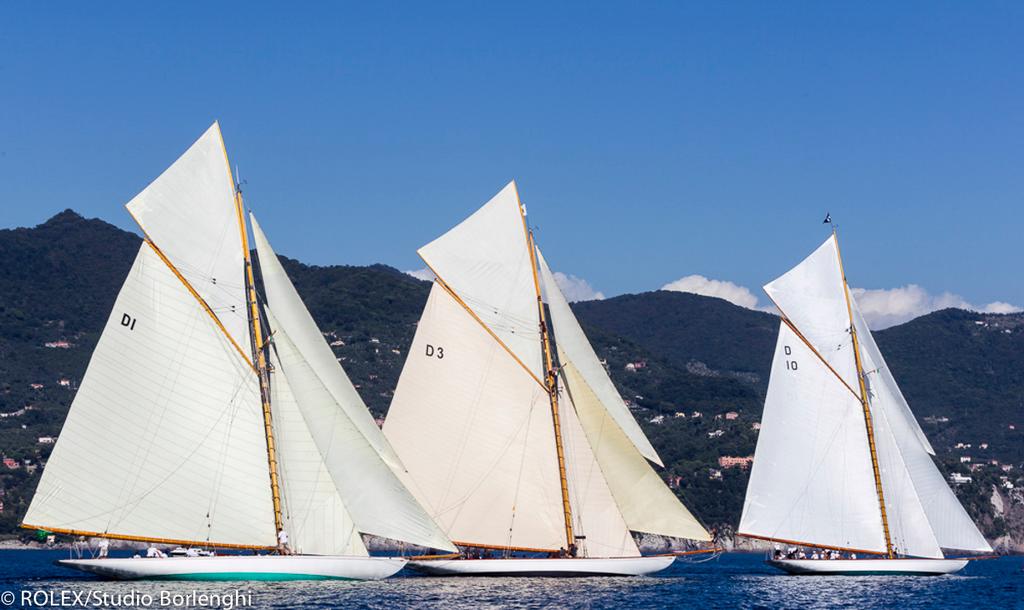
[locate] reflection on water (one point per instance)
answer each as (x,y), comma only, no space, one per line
(733,581)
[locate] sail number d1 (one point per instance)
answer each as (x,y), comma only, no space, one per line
(435,352)
(128,321)
(791,365)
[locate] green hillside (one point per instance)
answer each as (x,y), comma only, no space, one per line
(671,355)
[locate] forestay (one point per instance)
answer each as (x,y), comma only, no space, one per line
(933,517)
(168,410)
(644,501)
(314,514)
(474,430)
(372,493)
(576,348)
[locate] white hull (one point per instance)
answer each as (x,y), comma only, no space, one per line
(618,566)
(865,567)
(240,567)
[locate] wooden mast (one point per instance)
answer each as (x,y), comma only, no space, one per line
(259,358)
(551,380)
(868,423)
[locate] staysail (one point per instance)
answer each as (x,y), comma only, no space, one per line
(799,491)
(644,500)
(351,447)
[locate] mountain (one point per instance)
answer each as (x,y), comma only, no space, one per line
(694,369)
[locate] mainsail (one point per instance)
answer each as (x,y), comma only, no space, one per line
(815,479)
(174,436)
(165,439)
(473,420)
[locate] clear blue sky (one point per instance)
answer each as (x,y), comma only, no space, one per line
(650,141)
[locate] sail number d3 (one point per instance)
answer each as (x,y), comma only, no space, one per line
(791,365)
(435,351)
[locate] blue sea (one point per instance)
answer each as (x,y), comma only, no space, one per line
(734,580)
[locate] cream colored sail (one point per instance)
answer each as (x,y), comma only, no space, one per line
(474,430)
(645,502)
(165,436)
(189,212)
(372,493)
(577,349)
(486,261)
(811,481)
(314,513)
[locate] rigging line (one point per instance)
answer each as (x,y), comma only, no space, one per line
(193,292)
(785,320)
(440,282)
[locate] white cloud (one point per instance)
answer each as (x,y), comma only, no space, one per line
(883,308)
(422,274)
(698,284)
(576,288)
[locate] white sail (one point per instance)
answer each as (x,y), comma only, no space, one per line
(811,296)
(574,344)
(165,436)
(643,499)
(314,514)
(908,469)
(373,495)
(811,480)
(293,317)
(596,515)
(486,260)
(189,212)
(474,430)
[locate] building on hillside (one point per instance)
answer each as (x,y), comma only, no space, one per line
(64,383)
(716,433)
(36,386)
(965,459)
(714,474)
(731,415)
(729,461)
(62,344)
(11,463)
(958,479)
(657,419)
(755,426)
(47,440)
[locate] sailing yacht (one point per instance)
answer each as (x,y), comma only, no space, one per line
(514,438)
(210,418)
(841,463)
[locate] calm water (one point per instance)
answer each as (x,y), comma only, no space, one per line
(732,581)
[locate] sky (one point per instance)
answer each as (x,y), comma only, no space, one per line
(693,146)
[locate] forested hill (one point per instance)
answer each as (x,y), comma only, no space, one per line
(693,369)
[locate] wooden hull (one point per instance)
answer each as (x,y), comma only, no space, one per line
(567,567)
(868,567)
(240,567)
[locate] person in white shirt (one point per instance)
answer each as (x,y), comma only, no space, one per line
(104,548)
(282,543)
(154,552)
(190,552)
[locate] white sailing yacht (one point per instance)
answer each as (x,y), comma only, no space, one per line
(191,428)
(841,462)
(515,439)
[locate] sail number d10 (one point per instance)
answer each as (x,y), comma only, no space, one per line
(791,365)
(435,352)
